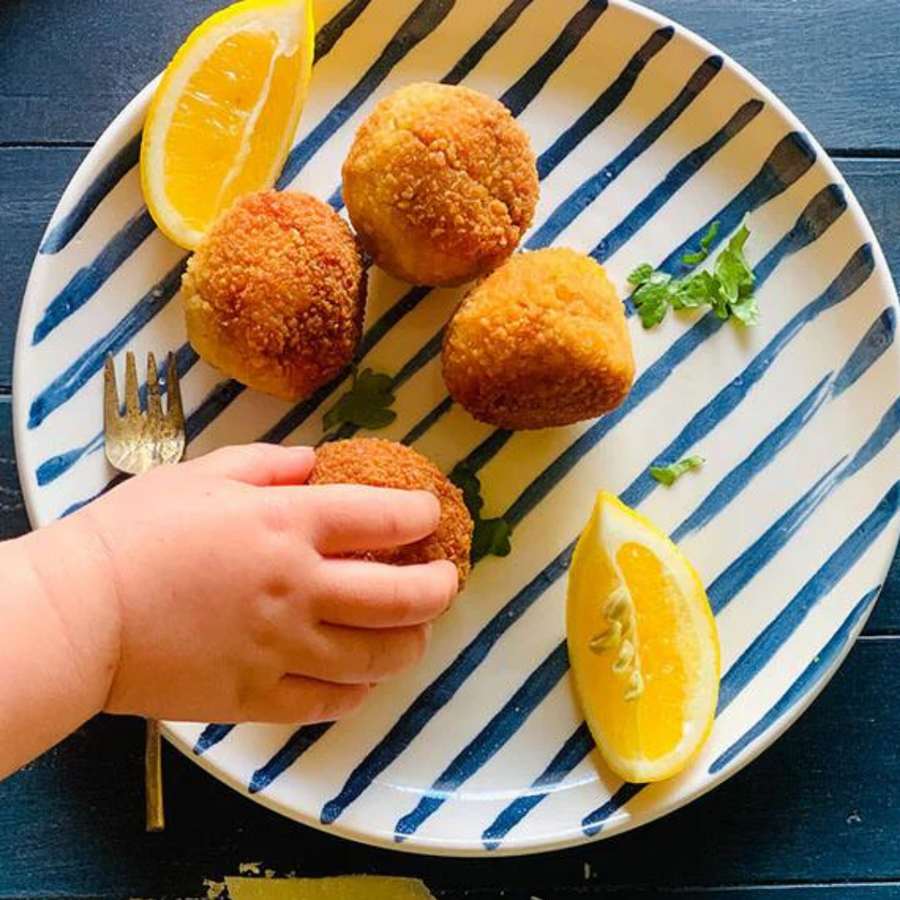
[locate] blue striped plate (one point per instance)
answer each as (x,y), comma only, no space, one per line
(645,134)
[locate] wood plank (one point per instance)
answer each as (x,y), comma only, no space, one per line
(13,520)
(31,182)
(111,49)
(797,48)
(819,806)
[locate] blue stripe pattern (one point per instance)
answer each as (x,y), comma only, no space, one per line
(61,234)
(799,689)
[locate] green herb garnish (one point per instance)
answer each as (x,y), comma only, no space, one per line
(491,536)
(366,404)
(728,289)
(694,259)
(668,475)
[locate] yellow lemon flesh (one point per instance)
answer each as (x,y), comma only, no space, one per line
(223,117)
(642,643)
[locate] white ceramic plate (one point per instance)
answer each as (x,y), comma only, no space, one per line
(645,134)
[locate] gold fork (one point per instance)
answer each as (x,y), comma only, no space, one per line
(137,440)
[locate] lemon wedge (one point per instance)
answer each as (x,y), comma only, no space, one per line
(643,645)
(224,115)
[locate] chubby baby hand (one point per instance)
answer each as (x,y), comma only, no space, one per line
(233,597)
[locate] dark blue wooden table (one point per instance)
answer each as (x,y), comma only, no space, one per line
(818,816)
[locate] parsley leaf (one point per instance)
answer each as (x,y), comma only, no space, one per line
(728,289)
(640,274)
(491,536)
(653,298)
(366,404)
(668,475)
(694,259)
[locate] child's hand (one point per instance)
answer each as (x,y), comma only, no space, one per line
(232,602)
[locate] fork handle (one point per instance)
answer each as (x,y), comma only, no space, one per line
(154,815)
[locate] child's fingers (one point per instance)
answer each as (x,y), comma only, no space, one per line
(262,465)
(356,655)
(376,595)
(352,518)
(302,701)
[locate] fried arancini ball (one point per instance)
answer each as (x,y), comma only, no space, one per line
(541,342)
(275,293)
(440,184)
(383,463)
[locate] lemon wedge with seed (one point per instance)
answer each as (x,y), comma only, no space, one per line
(643,645)
(224,115)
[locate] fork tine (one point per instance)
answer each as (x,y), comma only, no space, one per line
(175,412)
(132,394)
(154,404)
(110,396)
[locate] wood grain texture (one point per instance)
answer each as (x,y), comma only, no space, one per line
(818,806)
(67,68)
(834,63)
(13,520)
(31,182)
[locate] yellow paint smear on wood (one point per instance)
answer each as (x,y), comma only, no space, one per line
(344,887)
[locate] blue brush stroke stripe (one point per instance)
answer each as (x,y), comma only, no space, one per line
(756,461)
(805,682)
(485,451)
(221,396)
(56,466)
(776,633)
(873,344)
(210,736)
(505,723)
(573,751)
(876,341)
(442,690)
(427,421)
(477,51)
(605,104)
(418,25)
(760,553)
(593,822)
(588,191)
(89,279)
(678,176)
(530,84)
(820,214)
(108,177)
(884,432)
(330,33)
(90,362)
(297,744)
(854,274)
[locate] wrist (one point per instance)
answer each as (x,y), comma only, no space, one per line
(75,573)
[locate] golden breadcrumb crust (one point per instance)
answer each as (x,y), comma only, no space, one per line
(275,294)
(541,342)
(440,183)
(384,463)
